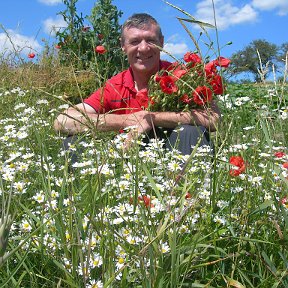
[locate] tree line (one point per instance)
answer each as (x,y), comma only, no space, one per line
(78,43)
(259,58)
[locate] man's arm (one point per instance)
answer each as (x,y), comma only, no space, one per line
(208,118)
(82,117)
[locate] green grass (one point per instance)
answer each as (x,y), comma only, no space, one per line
(134,219)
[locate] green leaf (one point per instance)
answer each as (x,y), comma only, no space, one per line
(262,207)
(152,182)
(235,283)
(191,18)
(269,262)
(197,22)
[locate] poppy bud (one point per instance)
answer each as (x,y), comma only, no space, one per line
(31,55)
(100,49)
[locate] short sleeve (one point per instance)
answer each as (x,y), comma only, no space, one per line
(98,100)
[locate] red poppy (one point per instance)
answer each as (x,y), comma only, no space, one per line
(58,46)
(284,201)
(236,161)
(86,28)
(285,165)
(239,162)
(176,70)
(178,73)
(142,98)
(210,69)
(31,55)
(167,85)
(202,95)
(279,154)
(185,99)
(188,196)
(157,77)
(100,49)
(100,36)
(146,201)
(192,58)
(222,62)
(217,84)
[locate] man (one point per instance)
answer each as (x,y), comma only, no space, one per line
(115,106)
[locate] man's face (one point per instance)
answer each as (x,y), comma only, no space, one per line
(139,46)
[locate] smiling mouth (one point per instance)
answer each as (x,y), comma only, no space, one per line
(144,59)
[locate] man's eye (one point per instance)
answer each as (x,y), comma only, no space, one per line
(152,41)
(134,42)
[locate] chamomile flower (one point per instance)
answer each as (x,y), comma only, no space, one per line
(219,220)
(120,262)
(174,166)
(164,247)
(25,226)
(95,284)
(19,187)
(42,101)
(39,197)
(68,264)
(96,260)
(118,220)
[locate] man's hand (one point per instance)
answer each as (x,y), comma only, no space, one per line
(141,120)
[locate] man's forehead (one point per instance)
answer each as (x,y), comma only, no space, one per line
(147,29)
(147,26)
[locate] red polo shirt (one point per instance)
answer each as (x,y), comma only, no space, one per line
(119,95)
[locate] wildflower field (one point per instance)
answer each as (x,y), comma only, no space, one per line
(145,217)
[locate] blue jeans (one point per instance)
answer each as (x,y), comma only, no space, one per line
(186,137)
(183,138)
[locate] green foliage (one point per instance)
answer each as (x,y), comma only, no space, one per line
(283,52)
(104,19)
(231,231)
(77,42)
(197,227)
(256,58)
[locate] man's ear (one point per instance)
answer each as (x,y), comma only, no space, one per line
(121,44)
(162,42)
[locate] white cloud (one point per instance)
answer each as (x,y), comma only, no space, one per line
(175,49)
(50,2)
(52,25)
(226,13)
(12,42)
(280,5)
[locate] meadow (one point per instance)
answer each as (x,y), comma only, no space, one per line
(140,217)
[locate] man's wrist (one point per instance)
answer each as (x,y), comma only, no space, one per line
(191,119)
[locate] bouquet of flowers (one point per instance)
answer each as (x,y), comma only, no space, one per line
(186,86)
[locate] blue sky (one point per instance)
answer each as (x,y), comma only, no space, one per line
(28,22)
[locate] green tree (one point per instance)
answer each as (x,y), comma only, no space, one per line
(283,51)
(256,57)
(71,40)
(77,42)
(104,19)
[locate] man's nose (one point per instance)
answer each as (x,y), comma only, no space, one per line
(144,45)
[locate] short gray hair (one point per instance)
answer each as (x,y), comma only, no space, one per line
(140,20)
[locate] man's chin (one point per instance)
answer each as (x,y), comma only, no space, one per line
(144,67)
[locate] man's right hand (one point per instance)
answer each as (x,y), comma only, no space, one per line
(141,120)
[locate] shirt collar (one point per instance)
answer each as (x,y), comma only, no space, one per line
(128,80)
